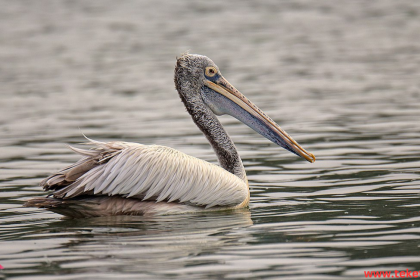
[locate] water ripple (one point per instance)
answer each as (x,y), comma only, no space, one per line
(341,79)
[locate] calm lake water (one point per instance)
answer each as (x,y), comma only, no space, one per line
(342,78)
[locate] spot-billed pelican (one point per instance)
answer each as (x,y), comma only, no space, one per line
(120,178)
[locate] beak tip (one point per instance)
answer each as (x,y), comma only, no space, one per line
(311,158)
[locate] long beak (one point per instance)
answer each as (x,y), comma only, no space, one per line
(245,111)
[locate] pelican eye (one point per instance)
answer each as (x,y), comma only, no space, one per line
(211,71)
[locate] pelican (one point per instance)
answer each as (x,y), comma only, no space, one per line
(121,178)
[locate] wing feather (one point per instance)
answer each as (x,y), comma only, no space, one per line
(153,173)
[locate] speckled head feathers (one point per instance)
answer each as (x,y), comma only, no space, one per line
(192,66)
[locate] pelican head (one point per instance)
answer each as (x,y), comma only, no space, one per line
(201,86)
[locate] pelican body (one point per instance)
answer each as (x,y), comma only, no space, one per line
(120,178)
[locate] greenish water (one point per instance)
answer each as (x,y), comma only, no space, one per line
(341,77)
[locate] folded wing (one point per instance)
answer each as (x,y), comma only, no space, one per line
(150,173)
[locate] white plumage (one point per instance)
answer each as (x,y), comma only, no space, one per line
(152,172)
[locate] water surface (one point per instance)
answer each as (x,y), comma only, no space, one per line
(341,78)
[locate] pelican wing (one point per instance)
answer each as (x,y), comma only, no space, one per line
(150,173)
